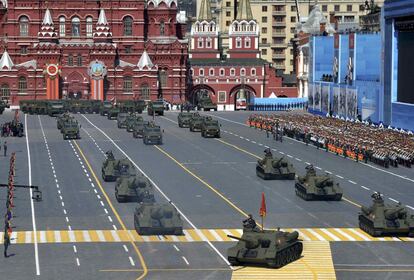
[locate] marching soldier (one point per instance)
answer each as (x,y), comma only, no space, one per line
(6,241)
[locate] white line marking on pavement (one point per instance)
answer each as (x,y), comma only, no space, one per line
(74,249)
(392,199)
(185,260)
(352,182)
(102,203)
(412,208)
(282,153)
(290,156)
(307,163)
(77,261)
(329,172)
(69,228)
(67,219)
(31,195)
(160,191)
(176,248)
(298,159)
(109,217)
(114,226)
(317,167)
(125,248)
(106,211)
(365,188)
(131,261)
(339,176)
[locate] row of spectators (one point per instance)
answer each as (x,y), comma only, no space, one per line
(360,141)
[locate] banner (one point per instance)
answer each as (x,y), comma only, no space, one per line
(325,98)
(351,103)
(335,102)
(317,96)
(310,96)
(342,102)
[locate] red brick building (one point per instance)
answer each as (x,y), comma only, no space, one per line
(92,49)
(231,80)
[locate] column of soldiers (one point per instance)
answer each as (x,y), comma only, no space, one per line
(356,140)
(9,205)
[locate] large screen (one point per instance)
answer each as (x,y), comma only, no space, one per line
(405,67)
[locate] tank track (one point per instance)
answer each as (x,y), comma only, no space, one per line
(286,256)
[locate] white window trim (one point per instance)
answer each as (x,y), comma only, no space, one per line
(209,72)
(232,72)
(238,42)
(242,72)
(200,43)
(222,72)
(253,72)
(201,72)
(247,42)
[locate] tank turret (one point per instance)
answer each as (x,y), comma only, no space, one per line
(381,219)
(317,187)
(134,189)
(157,219)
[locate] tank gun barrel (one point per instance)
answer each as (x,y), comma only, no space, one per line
(292,236)
(276,163)
(249,243)
(320,184)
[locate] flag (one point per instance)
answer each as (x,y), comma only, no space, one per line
(262,211)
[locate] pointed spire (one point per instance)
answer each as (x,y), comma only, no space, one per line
(47,19)
(205,11)
(4,2)
(102,18)
(244,11)
(145,61)
(102,26)
(5,61)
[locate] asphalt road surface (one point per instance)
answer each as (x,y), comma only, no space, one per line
(80,231)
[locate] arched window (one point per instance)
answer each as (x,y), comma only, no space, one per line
(24,26)
(89,27)
(163,78)
(238,42)
(127,26)
(62,27)
(253,72)
(192,72)
(211,71)
(79,60)
(201,72)
(232,72)
(22,84)
(127,84)
(247,42)
(70,60)
(162,28)
(221,71)
(75,27)
(145,92)
(5,92)
(208,42)
(242,72)
(200,42)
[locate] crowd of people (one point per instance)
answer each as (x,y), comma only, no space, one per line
(357,140)
(13,128)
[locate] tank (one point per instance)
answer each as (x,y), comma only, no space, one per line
(317,187)
(270,168)
(274,248)
(210,128)
(184,119)
(157,219)
(382,219)
(70,129)
(134,189)
(112,168)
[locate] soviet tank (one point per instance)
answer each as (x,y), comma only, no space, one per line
(383,219)
(157,219)
(274,248)
(317,187)
(134,189)
(113,168)
(271,168)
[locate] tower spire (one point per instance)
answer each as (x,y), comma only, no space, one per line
(205,11)
(244,10)
(102,26)
(47,30)
(5,61)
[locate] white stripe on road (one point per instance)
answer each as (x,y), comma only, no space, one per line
(131,261)
(392,199)
(344,234)
(339,176)
(352,182)
(365,188)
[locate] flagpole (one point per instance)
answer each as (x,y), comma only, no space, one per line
(262,223)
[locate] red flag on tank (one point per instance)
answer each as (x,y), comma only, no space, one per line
(262,211)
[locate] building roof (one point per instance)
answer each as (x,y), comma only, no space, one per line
(145,61)
(227,62)
(5,61)
(102,18)
(47,19)
(205,11)
(313,23)
(244,11)
(4,2)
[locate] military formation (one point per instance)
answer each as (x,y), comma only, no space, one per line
(196,122)
(68,126)
(150,217)
(356,140)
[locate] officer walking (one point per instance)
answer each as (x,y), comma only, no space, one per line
(6,242)
(5,148)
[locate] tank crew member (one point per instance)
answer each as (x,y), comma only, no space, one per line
(249,222)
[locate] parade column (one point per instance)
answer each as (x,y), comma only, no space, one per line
(97,72)
(52,72)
